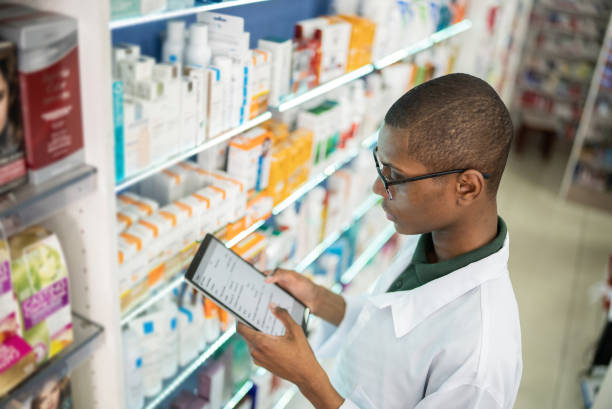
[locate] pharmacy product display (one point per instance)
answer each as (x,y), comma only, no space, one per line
(54,393)
(50,92)
(209,82)
(562,47)
(35,319)
(252,180)
(588,175)
(40,122)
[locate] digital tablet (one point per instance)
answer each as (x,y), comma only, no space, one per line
(234,284)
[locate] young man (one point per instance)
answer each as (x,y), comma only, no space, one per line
(441,328)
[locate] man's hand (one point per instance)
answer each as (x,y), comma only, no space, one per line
(321,302)
(290,357)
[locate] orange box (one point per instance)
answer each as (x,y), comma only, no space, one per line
(233,229)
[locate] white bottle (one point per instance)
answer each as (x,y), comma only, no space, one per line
(198,52)
(170,350)
(188,343)
(197,308)
(151,340)
(172,49)
(132,364)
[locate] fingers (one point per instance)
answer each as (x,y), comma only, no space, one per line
(279,276)
(249,334)
(284,317)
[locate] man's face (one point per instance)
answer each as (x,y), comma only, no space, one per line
(4,102)
(417,207)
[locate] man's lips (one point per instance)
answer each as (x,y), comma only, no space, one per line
(387,212)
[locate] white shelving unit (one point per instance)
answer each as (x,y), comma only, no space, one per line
(571,188)
(87,226)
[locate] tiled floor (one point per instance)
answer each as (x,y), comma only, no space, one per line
(558,256)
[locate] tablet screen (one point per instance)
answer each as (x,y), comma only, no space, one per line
(241,288)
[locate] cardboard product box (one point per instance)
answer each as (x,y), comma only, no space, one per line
(13,170)
(249,158)
(306,57)
(40,281)
(124,9)
(259,89)
(54,390)
(280,50)
(334,38)
(135,149)
(362,40)
(47,50)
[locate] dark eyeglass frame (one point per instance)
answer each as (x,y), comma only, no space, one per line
(388,183)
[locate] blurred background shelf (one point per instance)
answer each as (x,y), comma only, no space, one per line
(87,337)
(31,204)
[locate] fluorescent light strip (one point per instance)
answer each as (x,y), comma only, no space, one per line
(187,154)
(368,254)
(191,368)
(324,88)
(286,398)
(239,395)
(310,258)
(153,299)
(133,21)
(243,234)
(424,44)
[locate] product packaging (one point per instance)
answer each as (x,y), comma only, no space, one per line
(149,328)
(199,77)
(249,158)
(132,364)
(55,389)
(47,49)
(211,382)
(12,160)
(40,281)
(124,9)
(280,55)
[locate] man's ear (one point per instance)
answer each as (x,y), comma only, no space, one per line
(469,186)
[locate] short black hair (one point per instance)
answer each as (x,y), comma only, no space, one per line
(456,121)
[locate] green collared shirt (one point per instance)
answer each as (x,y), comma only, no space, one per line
(420,271)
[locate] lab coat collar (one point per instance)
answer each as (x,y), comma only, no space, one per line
(409,308)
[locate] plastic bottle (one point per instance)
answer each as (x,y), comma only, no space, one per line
(170,342)
(211,317)
(172,49)
(188,342)
(151,339)
(197,52)
(132,360)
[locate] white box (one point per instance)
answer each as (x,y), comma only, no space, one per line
(280,66)
(199,76)
(216,94)
(189,115)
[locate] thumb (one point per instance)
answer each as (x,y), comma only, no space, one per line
(283,316)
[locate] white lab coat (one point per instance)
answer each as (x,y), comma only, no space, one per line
(454,342)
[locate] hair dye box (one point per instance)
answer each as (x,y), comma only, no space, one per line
(48,65)
(13,170)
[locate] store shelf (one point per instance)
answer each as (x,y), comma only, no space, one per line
(209,6)
(590,197)
(286,397)
(368,254)
(297,99)
(574,12)
(168,287)
(424,44)
(311,257)
(184,372)
(87,336)
(173,160)
(30,204)
(572,99)
(241,393)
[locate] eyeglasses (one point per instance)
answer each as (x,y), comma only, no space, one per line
(382,170)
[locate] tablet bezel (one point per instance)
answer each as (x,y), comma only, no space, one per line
(195,263)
